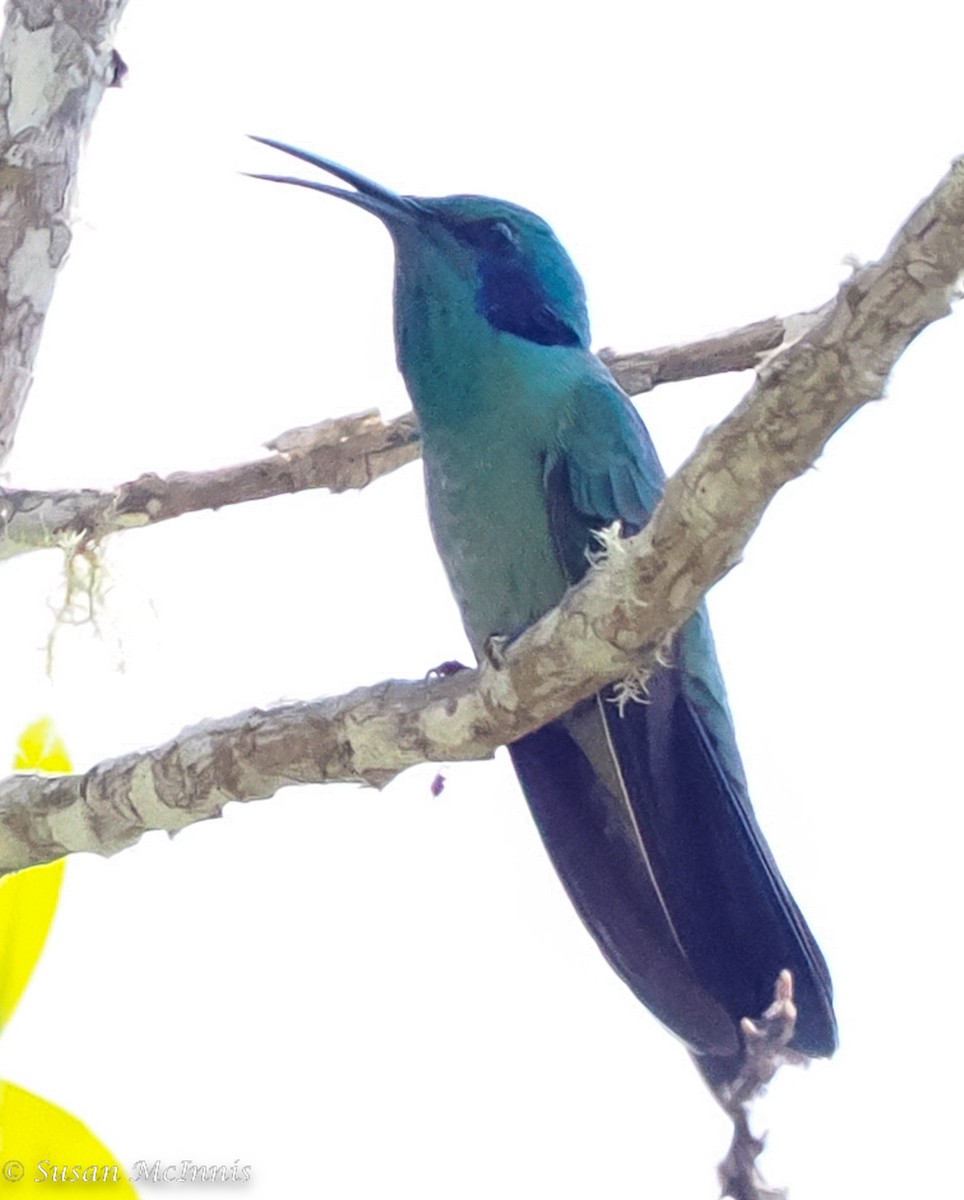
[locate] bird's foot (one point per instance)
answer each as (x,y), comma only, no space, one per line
(451,666)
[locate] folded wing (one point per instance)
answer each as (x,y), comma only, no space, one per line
(645,810)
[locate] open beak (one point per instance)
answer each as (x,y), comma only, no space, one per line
(387,205)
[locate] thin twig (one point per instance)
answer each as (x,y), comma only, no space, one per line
(346,453)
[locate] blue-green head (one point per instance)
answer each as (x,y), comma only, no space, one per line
(478,281)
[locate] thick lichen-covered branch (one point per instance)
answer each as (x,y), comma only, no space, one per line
(612,624)
(56,60)
(345,453)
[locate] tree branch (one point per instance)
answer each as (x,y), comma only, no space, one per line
(735,350)
(342,454)
(766,1040)
(348,452)
(611,625)
(55,62)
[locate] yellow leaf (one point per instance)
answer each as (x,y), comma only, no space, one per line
(42,749)
(43,1146)
(28,899)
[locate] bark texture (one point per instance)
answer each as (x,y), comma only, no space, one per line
(56,59)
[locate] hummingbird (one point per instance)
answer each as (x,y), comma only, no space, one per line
(530,448)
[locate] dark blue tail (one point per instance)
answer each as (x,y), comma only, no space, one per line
(656,843)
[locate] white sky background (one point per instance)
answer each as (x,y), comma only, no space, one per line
(370,995)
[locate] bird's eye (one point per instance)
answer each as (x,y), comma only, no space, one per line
(492,235)
(499,231)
